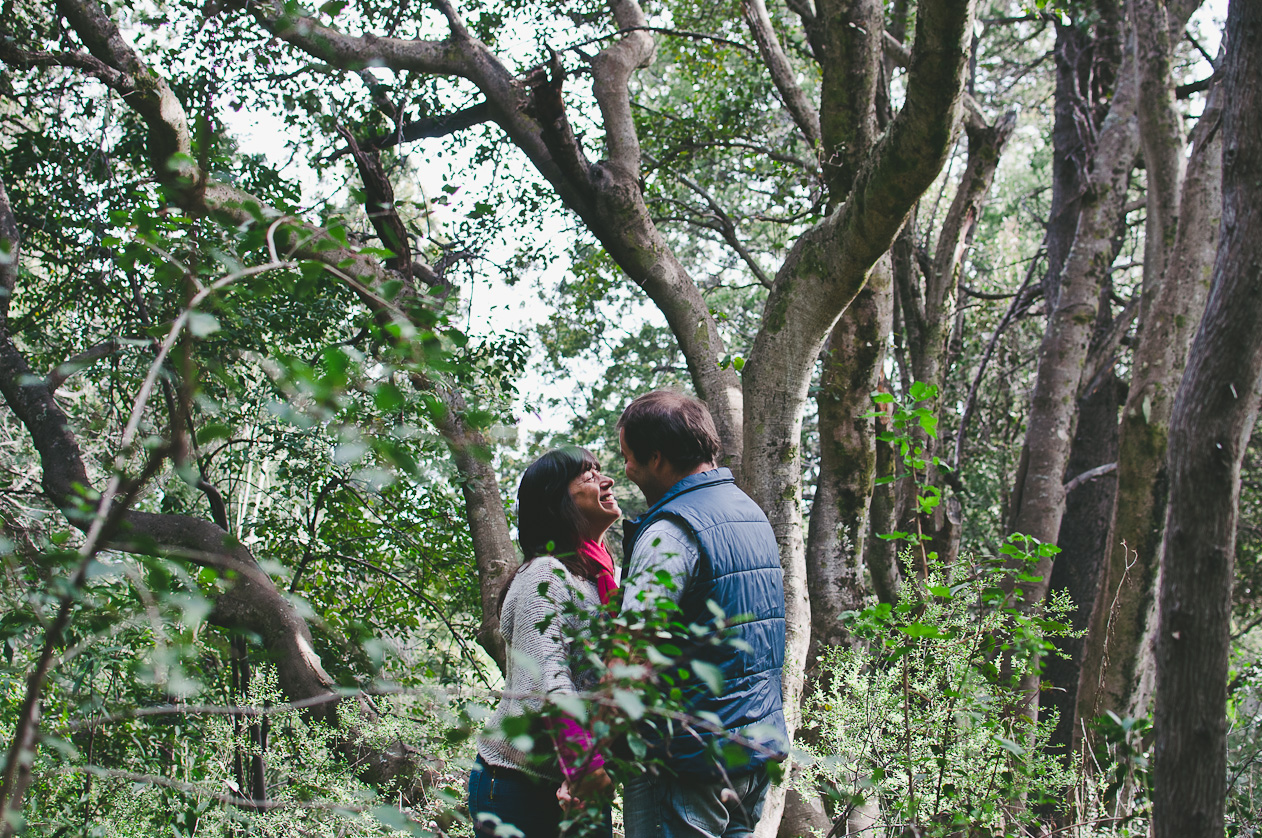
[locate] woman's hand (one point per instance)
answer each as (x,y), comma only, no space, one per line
(596,784)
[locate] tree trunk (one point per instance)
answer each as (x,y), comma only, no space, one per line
(1083,537)
(1038,500)
(1213,416)
(839,527)
(1119,640)
(826,267)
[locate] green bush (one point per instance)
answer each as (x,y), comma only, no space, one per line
(921,721)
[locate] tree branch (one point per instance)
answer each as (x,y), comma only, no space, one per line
(800,108)
(71,365)
(445,57)
(1090,474)
(1020,300)
(725,227)
(437,126)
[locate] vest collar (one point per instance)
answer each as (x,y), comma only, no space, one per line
(689,484)
(631,529)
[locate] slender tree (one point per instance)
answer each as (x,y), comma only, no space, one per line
(1214,413)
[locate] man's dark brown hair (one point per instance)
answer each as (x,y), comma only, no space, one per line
(677,425)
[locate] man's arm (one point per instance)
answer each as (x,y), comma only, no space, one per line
(662,565)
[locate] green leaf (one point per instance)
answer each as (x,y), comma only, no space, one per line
(388,397)
(922,630)
(1009,746)
(201,324)
(630,704)
(571,705)
(213,431)
(710,674)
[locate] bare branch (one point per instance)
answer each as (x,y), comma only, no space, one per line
(660,30)
(1090,474)
(437,126)
(782,75)
(725,227)
(71,365)
(1020,300)
(446,57)
(901,56)
(611,72)
(1104,356)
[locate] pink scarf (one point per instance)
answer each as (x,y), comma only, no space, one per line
(597,556)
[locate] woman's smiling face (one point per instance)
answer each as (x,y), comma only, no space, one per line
(592,493)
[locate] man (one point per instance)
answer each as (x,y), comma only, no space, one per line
(719,550)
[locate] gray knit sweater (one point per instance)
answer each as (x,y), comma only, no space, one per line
(540,662)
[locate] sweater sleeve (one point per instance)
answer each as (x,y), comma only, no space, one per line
(540,657)
(534,631)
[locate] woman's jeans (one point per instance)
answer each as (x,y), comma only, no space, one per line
(505,803)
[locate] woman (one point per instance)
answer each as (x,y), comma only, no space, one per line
(564,508)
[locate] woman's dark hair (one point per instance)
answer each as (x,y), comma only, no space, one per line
(548,522)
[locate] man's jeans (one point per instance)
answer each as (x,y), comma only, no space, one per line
(682,807)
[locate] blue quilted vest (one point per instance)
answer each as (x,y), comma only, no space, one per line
(739,571)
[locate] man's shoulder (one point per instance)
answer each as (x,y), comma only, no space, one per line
(669,526)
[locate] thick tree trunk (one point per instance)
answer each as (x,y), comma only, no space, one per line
(839,530)
(1083,537)
(1038,498)
(1213,416)
(493,548)
(1087,62)
(880,555)
(824,270)
(1118,643)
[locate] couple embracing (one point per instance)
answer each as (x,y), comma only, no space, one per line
(714,545)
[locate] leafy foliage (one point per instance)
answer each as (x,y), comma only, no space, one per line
(917,717)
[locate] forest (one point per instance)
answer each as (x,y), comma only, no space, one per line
(290,295)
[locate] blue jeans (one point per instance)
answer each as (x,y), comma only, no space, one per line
(683,807)
(511,804)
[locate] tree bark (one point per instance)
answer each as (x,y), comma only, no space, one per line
(1213,416)
(825,269)
(1087,62)
(1083,540)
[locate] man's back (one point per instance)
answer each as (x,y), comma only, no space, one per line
(718,547)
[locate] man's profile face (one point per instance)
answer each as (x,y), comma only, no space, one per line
(637,472)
